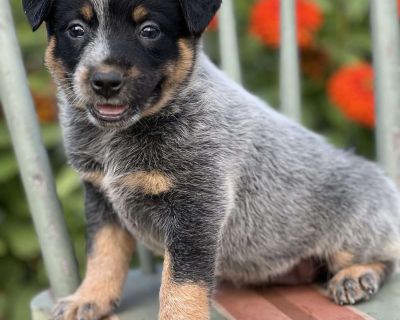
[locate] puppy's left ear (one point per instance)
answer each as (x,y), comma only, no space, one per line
(36,11)
(198,13)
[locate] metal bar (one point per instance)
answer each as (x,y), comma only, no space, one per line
(34,165)
(146,259)
(386,49)
(229,49)
(289,62)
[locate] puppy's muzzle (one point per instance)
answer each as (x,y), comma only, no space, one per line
(107,84)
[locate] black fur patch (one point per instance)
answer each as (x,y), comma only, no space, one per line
(36,11)
(199,13)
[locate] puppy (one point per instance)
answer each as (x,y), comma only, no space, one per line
(173,153)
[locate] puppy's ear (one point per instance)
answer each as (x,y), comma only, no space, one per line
(198,13)
(36,11)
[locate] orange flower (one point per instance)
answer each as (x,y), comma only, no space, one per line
(45,108)
(265,22)
(213,26)
(351,90)
(398,6)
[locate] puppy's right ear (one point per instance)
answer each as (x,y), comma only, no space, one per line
(36,11)
(198,13)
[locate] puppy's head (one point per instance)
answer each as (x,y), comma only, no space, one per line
(120,60)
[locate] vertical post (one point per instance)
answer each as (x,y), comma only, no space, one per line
(386,49)
(146,259)
(230,60)
(289,62)
(34,166)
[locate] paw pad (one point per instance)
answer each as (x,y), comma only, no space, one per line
(73,308)
(349,288)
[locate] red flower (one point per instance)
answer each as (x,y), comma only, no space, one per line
(46,108)
(351,90)
(265,22)
(398,6)
(213,26)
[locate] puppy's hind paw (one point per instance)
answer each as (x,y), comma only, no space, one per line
(354,284)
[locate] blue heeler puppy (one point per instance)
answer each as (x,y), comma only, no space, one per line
(173,153)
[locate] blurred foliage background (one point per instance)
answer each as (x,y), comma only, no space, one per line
(337,36)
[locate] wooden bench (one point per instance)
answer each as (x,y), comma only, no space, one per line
(140,302)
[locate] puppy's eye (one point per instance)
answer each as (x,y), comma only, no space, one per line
(76,31)
(150,32)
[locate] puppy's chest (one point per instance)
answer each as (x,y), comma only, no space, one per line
(136,184)
(122,165)
(137,176)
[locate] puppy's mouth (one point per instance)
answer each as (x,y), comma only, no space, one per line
(110,112)
(116,112)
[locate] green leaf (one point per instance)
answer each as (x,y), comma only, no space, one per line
(8,167)
(67,182)
(5,140)
(3,248)
(22,240)
(51,135)
(21,300)
(3,305)
(357,10)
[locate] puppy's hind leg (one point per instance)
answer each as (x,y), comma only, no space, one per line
(353,281)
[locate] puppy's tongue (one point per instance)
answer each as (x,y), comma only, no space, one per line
(111,110)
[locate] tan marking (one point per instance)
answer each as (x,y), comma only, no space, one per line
(181,301)
(340,260)
(176,74)
(58,71)
(151,182)
(108,263)
(54,65)
(139,13)
(105,68)
(134,72)
(357,270)
(95,177)
(106,270)
(87,12)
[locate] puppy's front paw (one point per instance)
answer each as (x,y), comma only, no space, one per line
(354,284)
(77,307)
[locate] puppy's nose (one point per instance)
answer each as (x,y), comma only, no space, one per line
(107,84)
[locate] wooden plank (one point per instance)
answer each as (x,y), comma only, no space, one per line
(244,304)
(309,301)
(293,311)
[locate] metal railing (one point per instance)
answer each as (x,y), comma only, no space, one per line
(34,165)
(289,62)
(386,50)
(33,162)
